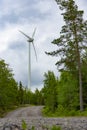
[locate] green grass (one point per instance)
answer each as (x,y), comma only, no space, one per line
(54,127)
(24,125)
(61,112)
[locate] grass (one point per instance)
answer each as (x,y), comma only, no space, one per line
(64,113)
(54,127)
(24,125)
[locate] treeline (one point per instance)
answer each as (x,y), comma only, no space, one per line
(61,95)
(26,96)
(13,94)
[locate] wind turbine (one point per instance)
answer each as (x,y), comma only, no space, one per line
(30,41)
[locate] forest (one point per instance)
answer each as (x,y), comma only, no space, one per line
(62,96)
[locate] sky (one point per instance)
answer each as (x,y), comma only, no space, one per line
(26,15)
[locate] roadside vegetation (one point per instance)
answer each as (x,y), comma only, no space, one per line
(12,94)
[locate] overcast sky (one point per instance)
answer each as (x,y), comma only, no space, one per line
(25,15)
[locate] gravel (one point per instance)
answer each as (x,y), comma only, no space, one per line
(33,117)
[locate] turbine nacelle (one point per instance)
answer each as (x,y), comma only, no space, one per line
(30,40)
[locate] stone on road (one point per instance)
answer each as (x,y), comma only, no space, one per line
(33,117)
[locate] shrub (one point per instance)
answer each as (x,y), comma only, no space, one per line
(56,128)
(24,125)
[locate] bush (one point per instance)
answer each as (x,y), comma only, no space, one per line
(72,113)
(46,112)
(61,111)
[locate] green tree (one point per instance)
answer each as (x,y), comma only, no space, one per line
(8,87)
(72,41)
(84,79)
(38,97)
(29,96)
(68,91)
(21,93)
(50,91)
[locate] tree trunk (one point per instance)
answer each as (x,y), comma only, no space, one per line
(80,85)
(79,70)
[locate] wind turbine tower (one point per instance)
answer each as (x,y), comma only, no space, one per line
(30,42)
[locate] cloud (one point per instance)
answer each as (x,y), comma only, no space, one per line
(47,6)
(25,16)
(82,6)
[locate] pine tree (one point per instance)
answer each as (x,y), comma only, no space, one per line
(72,41)
(21,93)
(50,91)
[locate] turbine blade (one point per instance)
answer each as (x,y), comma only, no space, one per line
(34,33)
(24,34)
(34,50)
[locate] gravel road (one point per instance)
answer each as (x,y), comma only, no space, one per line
(33,111)
(33,117)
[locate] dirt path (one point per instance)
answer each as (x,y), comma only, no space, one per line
(33,111)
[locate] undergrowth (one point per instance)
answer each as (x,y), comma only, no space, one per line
(62,112)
